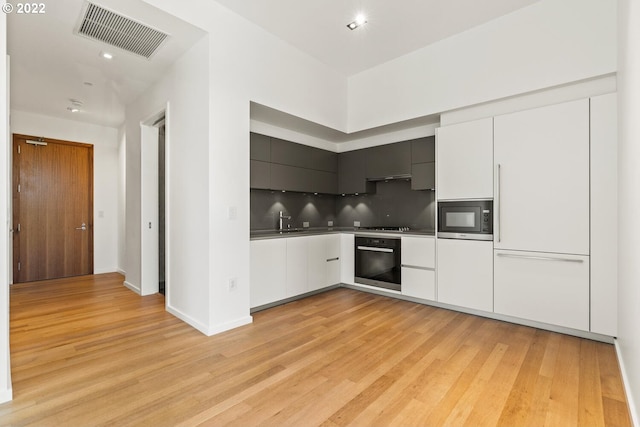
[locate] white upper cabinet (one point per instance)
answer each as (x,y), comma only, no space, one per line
(464,160)
(542,179)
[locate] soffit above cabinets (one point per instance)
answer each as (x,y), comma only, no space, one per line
(393,28)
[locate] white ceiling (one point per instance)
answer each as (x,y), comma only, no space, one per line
(49,64)
(394,27)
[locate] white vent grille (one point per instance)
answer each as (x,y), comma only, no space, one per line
(116,30)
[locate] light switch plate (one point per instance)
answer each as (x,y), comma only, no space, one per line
(356,223)
(330,224)
(232,213)
(305,224)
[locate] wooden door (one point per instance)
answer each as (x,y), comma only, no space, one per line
(52,209)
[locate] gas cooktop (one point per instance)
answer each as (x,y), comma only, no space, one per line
(386,228)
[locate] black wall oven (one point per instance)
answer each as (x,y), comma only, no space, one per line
(465,219)
(377,262)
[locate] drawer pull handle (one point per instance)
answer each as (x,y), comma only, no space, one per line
(541,258)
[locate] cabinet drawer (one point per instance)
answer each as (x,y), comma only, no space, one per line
(419,283)
(545,287)
(419,251)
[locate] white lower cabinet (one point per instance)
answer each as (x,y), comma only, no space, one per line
(465,273)
(544,287)
(332,245)
(297,253)
(347,258)
(268,271)
(286,267)
(316,262)
(418,267)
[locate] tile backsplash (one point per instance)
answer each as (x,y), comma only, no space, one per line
(393,204)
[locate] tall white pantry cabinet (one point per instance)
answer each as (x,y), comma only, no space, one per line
(545,252)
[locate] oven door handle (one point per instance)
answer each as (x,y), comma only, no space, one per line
(373,249)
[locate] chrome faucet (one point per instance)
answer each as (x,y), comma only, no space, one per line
(280,218)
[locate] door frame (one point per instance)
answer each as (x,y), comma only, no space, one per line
(149,245)
(15,206)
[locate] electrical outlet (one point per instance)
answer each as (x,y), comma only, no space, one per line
(233,284)
(329,223)
(356,223)
(305,224)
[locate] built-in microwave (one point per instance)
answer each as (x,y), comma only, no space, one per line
(465,219)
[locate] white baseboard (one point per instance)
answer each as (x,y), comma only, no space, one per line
(209,331)
(635,418)
(124,273)
(6,395)
(188,320)
(104,270)
(132,287)
(226,326)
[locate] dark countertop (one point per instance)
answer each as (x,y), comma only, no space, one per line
(295,232)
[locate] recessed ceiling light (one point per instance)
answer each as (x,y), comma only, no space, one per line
(359,21)
(106,55)
(73,109)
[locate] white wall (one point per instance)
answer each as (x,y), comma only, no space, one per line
(185,87)
(122,196)
(5,365)
(246,64)
(628,342)
(105,176)
(546,44)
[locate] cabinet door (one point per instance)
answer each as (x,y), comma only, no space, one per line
(542,188)
(297,265)
(604,213)
(423,150)
(347,258)
(290,178)
(464,159)
(260,174)
(465,273)
(289,153)
(548,288)
(423,176)
(324,160)
(419,283)
(352,173)
(332,259)
(260,147)
(389,160)
(323,182)
(316,262)
(268,271)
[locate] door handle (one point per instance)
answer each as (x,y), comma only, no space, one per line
(83,227)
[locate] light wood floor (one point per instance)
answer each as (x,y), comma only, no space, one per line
(88,352)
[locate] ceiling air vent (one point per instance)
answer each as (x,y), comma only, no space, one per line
(116,30)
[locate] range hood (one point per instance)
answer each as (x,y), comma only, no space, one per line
(405,176)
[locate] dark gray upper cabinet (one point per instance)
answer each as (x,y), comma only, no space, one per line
(260,174)
(423,176)
(260,147)
(290,178)
(352,173)
(423,150)
(289,153)
(389,160)
(302,156)
(324,182)
(324,160)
